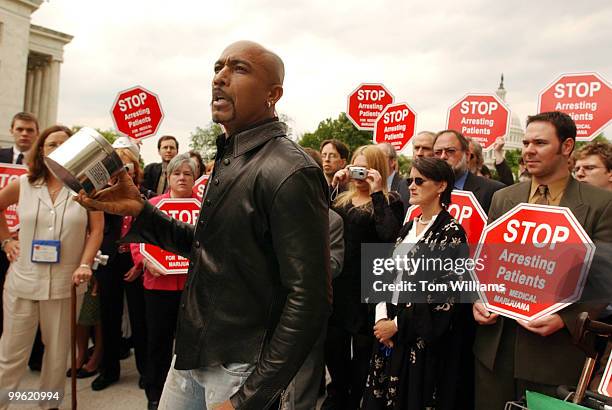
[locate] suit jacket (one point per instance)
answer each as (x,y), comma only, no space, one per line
(400,186)
(553,359)
(482,188)
(152,173)
(6,155)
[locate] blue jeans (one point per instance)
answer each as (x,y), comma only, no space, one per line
(203,388)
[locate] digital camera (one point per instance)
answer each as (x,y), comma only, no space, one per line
(358,173)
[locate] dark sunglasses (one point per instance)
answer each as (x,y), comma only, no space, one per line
(418,181)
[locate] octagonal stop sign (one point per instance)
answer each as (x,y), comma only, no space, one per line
(9,173)
(185,210)
(586,97)
(395,125)
(466,209)
(482,117)
(366,103)
(137,113)
(537,256)
(200,187)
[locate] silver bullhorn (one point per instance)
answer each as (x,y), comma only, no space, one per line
(85,161)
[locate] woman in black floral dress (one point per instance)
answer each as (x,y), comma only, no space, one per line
(414,364)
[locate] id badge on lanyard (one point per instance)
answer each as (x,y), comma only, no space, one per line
(47,250)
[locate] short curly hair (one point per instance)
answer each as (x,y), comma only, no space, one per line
(602,149)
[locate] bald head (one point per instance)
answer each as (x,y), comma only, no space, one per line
(248,83)
(270,61)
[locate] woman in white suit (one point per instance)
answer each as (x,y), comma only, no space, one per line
(57,242)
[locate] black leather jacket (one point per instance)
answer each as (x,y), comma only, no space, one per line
(258,289)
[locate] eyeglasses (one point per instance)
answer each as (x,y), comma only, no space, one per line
(418,181)
(449,151)
(586,168)
(330,156)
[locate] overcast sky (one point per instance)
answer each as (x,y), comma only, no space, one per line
(427,54)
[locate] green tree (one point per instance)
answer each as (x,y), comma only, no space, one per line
(404,164)
(599,138)
(203,140)
(512,159)
(341,129)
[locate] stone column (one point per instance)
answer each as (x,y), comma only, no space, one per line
(53,87)
(29,91)
(37,90)
(44,97)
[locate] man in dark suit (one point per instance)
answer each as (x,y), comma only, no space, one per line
(24,129)
(394,181)
(514,356)
(453,147)
(155,178)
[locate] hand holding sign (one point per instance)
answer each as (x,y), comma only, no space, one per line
(541,255)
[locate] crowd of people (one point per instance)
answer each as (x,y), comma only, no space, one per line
(273,296)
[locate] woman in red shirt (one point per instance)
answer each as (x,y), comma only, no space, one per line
(163,291)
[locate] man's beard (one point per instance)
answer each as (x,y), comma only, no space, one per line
(461,167)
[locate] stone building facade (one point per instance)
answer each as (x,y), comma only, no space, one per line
(30,60)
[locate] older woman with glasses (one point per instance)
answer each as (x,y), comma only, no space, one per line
(412,366)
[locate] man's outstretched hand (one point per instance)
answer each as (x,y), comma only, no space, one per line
(123,198)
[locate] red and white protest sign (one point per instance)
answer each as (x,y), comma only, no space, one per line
(185,210)
(8,173)
(200,187)
(366,103)
(395,125)
(482,117)
(466,209)
(137,113)
(605,387)
(539,255)
(586,97)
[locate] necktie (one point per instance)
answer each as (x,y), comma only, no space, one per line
(543,195)
(161,183)
(19,158)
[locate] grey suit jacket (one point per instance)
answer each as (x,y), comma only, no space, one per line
(553,359)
